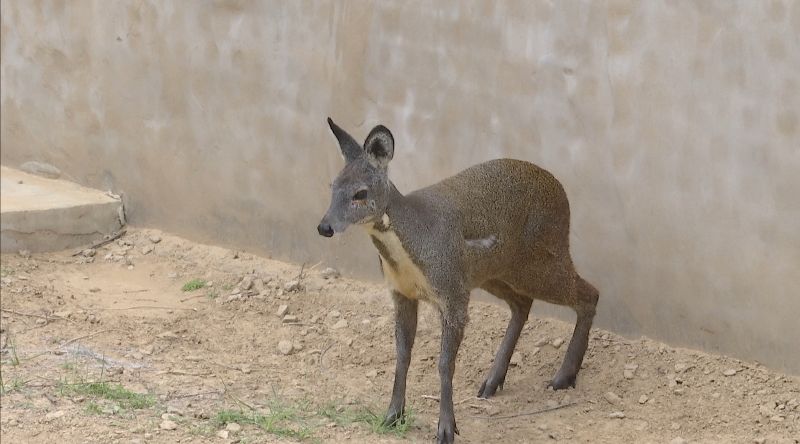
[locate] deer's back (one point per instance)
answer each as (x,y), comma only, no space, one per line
(510,209)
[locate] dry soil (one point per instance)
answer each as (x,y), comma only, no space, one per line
(106,346)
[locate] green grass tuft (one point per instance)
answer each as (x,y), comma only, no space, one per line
(282,420)
(194,284)
(368,417)
(113,392)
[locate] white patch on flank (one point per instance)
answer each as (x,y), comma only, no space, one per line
(487,242)
(385,220)
(405,277)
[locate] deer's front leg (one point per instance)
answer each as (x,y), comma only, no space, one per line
(405,329)
(454,319)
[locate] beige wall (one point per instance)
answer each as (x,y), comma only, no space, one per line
(674,126)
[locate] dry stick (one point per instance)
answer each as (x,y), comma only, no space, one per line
(192,297)
(436,398)
(192,395)
(103,242)
(151,307)
(136,291)
(84,337)
(535,412)
(300,275)
(225,393)
(34,315)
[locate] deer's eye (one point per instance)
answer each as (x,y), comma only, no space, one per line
(361,195)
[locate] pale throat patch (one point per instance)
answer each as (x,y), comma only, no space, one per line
(399,270)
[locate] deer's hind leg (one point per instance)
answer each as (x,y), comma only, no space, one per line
(585,301)
(520,306)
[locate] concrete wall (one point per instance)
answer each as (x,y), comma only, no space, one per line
(674,126)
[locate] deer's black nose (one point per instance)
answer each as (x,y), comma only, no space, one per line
(325,230)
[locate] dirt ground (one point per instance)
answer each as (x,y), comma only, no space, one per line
(155,339)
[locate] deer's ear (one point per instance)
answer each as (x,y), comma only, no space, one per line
(379,146)
(351,150)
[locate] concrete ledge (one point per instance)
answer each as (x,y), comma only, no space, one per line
(39,214)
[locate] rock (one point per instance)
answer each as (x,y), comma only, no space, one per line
(643,399)
(233,427)
(282,310)
(334,313)
(154,238)
(372,373)
(612,398)
(167,335)
(41,169)
(245,369)
(94,290)
(89,252)
(776,418)
(290,319)
(174,410)
(632,367)
(168,425)
(557,342)
(285,347)
(729,372)
(678,440)
(293,285)
(247,283)
(675,426)
(24,253)
(63,314)
(760,440)
(516,359)
(682,367)
(541,342)
(618,415)
(627,374)
(329,273)
(342,323)
(147,249)
(54,415)
(223,434)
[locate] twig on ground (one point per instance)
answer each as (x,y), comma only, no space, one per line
(234,398)
(32,315)
(192,297)
(534,412)
(436,398)
(102,242)
(84,337)
(146,307)
(136,291)
(300,275)
(192,395)
(185,373)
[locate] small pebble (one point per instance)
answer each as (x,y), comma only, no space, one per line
(282,310)
(168,425)
(612,398)
(618,415)
(285,347)
(729,372)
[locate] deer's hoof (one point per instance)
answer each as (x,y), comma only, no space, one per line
(447,431)
(562,382)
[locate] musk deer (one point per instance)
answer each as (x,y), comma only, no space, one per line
(502,226)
